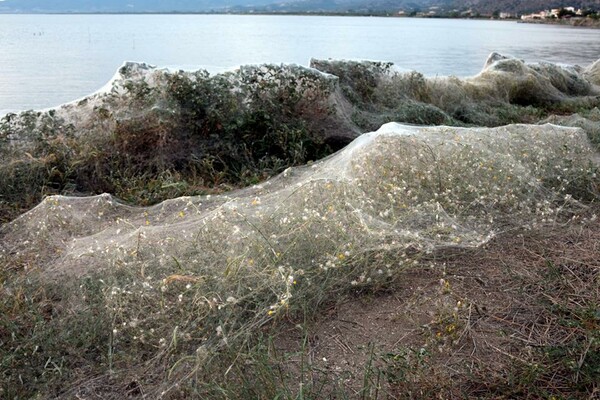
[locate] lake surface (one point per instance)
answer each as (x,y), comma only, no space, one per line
(47,60)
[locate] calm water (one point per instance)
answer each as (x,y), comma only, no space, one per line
(48,60)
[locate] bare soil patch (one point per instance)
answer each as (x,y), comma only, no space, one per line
(517,318)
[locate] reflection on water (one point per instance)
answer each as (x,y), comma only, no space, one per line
(51,59)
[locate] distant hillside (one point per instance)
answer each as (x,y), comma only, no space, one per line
(357,6)
(341,6)
(441,7)
(76,6)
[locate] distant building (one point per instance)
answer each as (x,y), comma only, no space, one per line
(527,17)
(540,15)
(553,13)
(504,15)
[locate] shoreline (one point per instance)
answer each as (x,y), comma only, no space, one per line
(577,23)
(574,23)
(391,14)
(387,14)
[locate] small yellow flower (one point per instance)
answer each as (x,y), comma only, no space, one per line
(341,257)
(181,214)
(271,312)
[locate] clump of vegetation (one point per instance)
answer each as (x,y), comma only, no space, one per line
(187,134)
(508,91)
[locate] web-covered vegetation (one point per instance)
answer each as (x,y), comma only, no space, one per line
(102,297)
(169,286)
(155,134)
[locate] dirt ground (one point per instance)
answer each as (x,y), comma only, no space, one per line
(517,318)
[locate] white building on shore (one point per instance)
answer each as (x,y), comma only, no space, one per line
(553,13)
